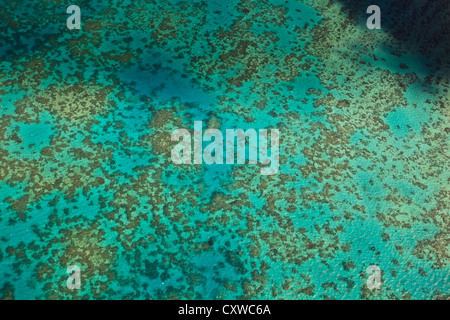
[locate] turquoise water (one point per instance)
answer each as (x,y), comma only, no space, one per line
(86,176)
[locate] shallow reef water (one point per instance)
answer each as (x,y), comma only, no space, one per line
(86,176)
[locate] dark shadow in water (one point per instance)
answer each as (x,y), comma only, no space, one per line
(421,26)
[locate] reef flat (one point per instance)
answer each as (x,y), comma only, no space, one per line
(86,176)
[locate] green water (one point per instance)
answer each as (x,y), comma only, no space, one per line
(86,176)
